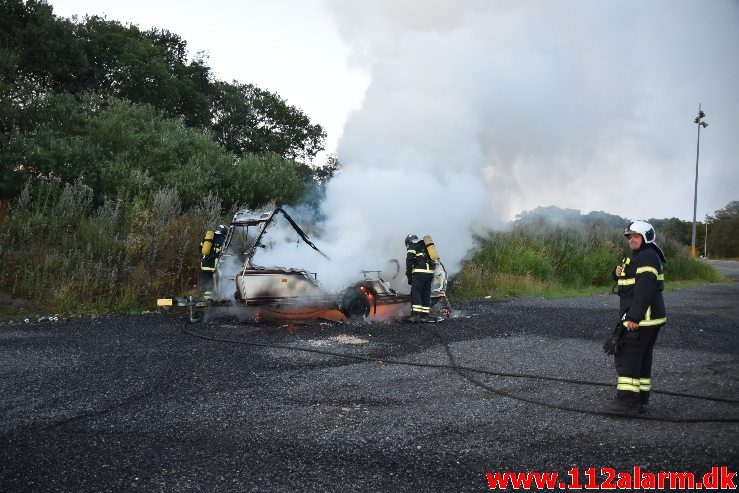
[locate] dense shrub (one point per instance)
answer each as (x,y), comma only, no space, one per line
(67,255)
(539,258)
(123,150)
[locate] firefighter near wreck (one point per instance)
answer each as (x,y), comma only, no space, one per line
(640,280)
(259,290)
(210,249)
(420,262)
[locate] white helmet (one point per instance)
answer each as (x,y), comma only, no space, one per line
(642,228)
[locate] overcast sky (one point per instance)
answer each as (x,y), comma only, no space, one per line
(496,106)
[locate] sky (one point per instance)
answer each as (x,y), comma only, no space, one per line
(452,116)
(290,47)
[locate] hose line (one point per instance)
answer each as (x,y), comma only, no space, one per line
(464,372)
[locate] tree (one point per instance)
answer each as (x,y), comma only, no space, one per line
(143,151)
(257,179)
(40,51)
(146,67)
(677,229)
(38,54)
(556,215)
(49,140)
(247,119)
(124,111)
(723,232)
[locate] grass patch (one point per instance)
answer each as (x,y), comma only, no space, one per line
(473,282)
(476,281)
(561,262)
(67,257)
(691,283)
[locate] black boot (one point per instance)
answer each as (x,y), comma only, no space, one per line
(643,402)
(622,408)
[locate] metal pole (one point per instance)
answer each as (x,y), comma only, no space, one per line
(695,195)
(705,241)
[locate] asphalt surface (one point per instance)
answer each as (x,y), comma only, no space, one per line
(135,403)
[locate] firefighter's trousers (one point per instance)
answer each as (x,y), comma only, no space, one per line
(634,365)
(205,283)
(421,293)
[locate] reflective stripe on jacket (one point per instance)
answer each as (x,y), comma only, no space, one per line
(417,260)
(640,287)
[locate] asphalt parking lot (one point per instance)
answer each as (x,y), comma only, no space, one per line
(151,403)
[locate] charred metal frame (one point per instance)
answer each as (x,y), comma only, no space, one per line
(265,222)
(279,292)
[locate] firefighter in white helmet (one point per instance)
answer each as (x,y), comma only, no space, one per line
(640,279)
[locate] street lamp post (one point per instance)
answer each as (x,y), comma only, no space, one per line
(705,241)
(700,123)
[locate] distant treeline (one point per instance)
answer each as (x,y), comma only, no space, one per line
(723,226)
(124,112)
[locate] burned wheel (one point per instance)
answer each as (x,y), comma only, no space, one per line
(197,316)
(354,303)
(440,307)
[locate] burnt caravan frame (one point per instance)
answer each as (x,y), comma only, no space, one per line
(285,293)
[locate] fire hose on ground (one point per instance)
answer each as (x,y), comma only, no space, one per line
(465,371)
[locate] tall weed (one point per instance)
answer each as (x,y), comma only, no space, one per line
(541,259)
(66,256)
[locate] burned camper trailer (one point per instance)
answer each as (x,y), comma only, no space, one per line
(254,278)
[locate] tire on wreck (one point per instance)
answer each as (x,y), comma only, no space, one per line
(354,303)
(197,316)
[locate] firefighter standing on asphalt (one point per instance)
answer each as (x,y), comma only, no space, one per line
(210,249)
(640,284)
(419,269)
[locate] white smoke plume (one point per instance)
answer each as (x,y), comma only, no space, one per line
(479,109)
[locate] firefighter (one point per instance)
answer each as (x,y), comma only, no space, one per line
(419,269)
(210,249)
(640,281)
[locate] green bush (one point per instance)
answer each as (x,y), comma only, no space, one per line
(514,254)
(123,150)
(68,256)
(543,259)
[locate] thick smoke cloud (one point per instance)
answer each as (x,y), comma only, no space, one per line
(478,110)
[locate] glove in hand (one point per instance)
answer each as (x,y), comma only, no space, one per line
(615,340)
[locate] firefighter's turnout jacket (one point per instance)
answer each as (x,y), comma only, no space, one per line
(419,268)
(208,262)
(640,287)
(417,260)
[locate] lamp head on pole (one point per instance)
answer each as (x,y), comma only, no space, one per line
(698,119)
